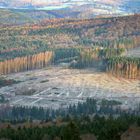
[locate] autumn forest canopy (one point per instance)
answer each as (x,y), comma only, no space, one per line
(25,47)
(69,78)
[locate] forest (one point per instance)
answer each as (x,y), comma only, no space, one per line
(68,124)
(107,59)
(71,129)
(124,66)
(19,64)
(99,44)
(30,43)
(87,108)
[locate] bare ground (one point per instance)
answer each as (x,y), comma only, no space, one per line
(58,87)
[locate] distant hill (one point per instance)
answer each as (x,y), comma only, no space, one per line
(16,16)
(76,8)
(25,16)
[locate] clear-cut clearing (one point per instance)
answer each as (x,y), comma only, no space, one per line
(56,87)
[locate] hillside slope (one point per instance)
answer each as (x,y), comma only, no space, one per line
(17,16)
(117,5)
(27,11)
(121,32)
(66,38)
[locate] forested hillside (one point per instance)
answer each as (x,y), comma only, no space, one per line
(87,86)
(51,35)
(86,120)
(18,64)
(23,16)
(121,32)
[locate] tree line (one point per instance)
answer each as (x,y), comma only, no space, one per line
(89,107)
(124,67)
(69,128)
(26,63)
